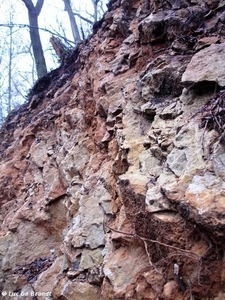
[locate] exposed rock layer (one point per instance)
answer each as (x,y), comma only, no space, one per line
(113,174)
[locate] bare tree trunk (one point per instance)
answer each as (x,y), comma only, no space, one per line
(95,5)
(73,23)
(9,102)
(1,114)
(90,18)
(33,13)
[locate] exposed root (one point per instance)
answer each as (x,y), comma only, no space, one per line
(213,116)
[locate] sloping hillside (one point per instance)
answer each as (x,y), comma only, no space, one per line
(113,173)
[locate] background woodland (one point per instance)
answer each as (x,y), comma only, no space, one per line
(35,38)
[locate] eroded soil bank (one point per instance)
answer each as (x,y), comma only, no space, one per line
(113,173)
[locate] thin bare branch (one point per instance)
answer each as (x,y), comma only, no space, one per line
(153,241)
(149,258)
(83,18)
(40,28)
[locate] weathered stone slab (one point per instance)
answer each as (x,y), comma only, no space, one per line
(207,65)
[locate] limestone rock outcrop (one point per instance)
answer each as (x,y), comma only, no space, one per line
(113,173)
(210,69)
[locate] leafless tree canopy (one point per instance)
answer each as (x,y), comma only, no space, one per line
(29,50)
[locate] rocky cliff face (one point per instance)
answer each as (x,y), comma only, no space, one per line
(113,174)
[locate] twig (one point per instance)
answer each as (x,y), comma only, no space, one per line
(118,231)
(202,139)
(134,235)
(190,289)
(40,28)
(149,258)
(199,271)
(169,246)
(159,50)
